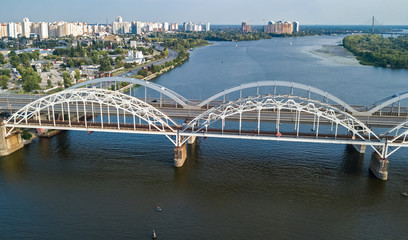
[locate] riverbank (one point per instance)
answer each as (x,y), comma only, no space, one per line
(375,50)
(334,53)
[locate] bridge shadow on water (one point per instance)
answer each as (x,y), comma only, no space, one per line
(181,174)
(13,166)
(353,164)
(352,161)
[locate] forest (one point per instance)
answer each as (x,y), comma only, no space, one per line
(376,50)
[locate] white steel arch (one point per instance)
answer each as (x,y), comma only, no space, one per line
(101,100)
(161,89)
(278,103)
(275,84)
(380,104)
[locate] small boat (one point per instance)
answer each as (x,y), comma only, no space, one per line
(154,235)
(236,45)
(158,209)
(405,194)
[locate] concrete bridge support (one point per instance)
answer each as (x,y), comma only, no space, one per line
(9,144)
(180,155)
(379,166)
(359,148)
(192,140)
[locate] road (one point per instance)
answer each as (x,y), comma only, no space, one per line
(14,102)
(172,55)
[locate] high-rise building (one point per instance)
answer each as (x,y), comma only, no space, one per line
(245,28)
(166,26)
(120,27)
(192,27)
(12,30)
(270,28)
(136,27)
(26,25)
(43,30)
(207,27)
(3,30)
(281,27)
(173,26)
(295,26)
(35,28)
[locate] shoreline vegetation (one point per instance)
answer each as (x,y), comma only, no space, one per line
(232,35)
(182,46)
(375,50)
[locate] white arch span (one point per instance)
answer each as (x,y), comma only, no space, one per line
(377,106)
(76,102)
(161,89)
(275,84)
(282,102)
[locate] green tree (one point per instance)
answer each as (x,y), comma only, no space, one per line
(165,53)
(67,79)
(71,63)
(30,83)
(36,55)
(4,80)
(49,83)
(119,64)
(6,72)
(14,61)
(25,59)
(105,64)
(143,72)
(26,135)
(1,58)
(77,75)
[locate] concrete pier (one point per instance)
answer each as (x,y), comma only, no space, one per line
(379,166)
(359,148)
(9,144)
(180,155)
(192,140)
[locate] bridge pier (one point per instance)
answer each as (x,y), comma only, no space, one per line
(359,148)
(180,155)
(192,140)
(379,166)
(9,144)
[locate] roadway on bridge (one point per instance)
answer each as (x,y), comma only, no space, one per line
(14,102)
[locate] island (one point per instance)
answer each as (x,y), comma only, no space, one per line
(376,50)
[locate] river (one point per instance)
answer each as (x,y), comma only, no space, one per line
(106,185)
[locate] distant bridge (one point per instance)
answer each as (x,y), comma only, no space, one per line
(276,111)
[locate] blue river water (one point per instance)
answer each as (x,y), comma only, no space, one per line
(106,185)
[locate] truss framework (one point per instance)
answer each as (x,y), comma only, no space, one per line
(68,102)
(97,82)
(76,102)
(299,105)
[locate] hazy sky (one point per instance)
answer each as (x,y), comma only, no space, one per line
(339,12)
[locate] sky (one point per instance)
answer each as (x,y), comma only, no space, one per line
(254,12)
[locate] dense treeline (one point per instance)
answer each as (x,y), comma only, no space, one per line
(215,36)
(178,61)
(180,44)
(371,49)
(229,35)
(176,42)
(235,36)
(22,58)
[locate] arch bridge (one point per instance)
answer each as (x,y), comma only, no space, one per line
(286,111)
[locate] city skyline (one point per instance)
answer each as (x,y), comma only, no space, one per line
(318,12)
